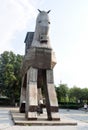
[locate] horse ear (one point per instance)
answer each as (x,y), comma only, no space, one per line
(48,11)
(39,10)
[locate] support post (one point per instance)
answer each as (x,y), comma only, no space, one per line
(23,95)
(52,95)
(31,94)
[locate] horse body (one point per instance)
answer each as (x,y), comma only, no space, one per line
(37,71)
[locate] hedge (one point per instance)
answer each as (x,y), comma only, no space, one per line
(5,102)
(70,105)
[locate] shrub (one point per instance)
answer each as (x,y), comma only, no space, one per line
(4,101)
(70,105)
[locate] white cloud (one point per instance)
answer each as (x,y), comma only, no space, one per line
(14,16)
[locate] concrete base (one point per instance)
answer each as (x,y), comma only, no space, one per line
(32,116)
(19,119)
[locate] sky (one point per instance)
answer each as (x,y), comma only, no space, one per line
(68,34)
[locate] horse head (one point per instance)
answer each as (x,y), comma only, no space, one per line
(42,27)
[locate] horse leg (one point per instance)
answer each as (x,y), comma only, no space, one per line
(23,95)
(31,94)
(51,99)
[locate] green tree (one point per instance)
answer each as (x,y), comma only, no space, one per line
(10,78)
(75,94)
(62,92)
(84,95)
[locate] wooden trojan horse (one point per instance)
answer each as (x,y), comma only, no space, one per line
(37,71)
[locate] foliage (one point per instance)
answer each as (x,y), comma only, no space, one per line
(62,92)
(75,95)
(70,105)
(84,94)
(10,78)
(4,101)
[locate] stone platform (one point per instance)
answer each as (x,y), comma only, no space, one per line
(19,119)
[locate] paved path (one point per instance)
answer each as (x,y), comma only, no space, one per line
(80,116)
(75,114)
(5,119)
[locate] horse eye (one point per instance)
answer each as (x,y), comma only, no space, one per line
(49,22)
(39,21)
